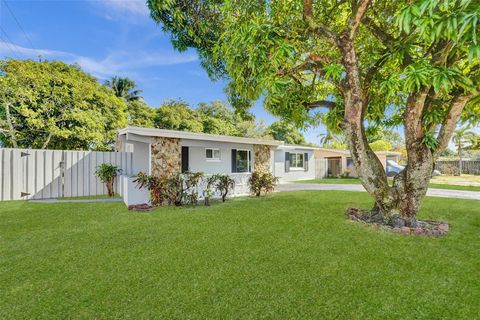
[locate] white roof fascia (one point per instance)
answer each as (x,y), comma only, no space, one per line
(151,132)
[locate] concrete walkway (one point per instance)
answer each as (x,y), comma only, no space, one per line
(444,193)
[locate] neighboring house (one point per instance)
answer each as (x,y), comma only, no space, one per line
(165,152)
(339,161)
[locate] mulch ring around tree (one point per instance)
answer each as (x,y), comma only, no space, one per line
(426,227)
(144,207)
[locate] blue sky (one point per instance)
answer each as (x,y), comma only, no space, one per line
(111,38)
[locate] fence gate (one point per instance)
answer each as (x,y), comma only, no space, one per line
(43,174)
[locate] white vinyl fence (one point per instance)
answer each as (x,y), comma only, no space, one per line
(42,174)
(321,168)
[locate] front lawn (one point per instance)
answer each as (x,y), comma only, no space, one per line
(437,184)
(289,256)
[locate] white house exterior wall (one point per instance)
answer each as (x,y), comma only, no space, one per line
(198,162)
(293,174)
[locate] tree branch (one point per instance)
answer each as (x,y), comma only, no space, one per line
(316,27)
(357,17)
(384,37)
(456,107)
(45,144)
(321,104)
(10,125)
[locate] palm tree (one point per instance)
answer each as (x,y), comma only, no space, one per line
(461,137)
(329,138)
(124,88)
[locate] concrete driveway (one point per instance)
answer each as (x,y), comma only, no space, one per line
(456,194)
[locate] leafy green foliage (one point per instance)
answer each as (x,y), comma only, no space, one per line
(124,88)
(262,182)
(57,106)
(394,138)
(183,188)
(381,145)
(224,183)
(285,132)
(214,118)
(268,51)
(176,115)
(107,173)
(140,114)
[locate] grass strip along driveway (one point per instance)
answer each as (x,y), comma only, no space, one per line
(356,181)
(288,256)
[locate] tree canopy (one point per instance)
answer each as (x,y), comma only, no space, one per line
(285,132)
(214,117)
(55,105)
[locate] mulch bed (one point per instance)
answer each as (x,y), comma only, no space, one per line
(144,207)
(426,227)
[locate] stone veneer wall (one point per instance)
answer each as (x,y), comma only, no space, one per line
(262,158)
(166,157)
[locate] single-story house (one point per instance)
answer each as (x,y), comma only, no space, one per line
(340,161)
(165,152)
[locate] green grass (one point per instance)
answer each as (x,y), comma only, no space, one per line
(356,181)
(289,256)
(90,197)
(331,181)
(453,187)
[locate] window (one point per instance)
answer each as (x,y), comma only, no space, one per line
(243,160)
(296,160)
(349,162)
(212,154)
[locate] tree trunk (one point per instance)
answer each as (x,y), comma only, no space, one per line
(110,190)
(460,155)
(367,165)
(10,125)
(400,203)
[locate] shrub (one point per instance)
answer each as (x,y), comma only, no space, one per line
(224,183)
(153,185)
(208,192)
(190,182)
(177,189)
(450,170)
(107,173)
(262,181)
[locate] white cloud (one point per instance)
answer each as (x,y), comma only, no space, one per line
(130,10)
(115,63)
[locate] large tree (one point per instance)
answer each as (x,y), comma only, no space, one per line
(370,63)
(50,104)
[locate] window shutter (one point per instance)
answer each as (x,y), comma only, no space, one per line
(287,161)
(185,164)
(249,161)
(234,160)
(305,161)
